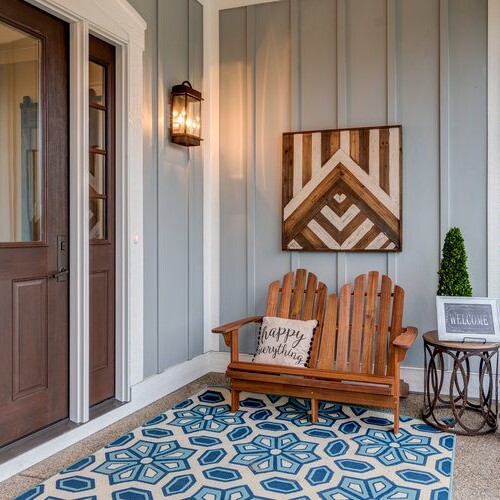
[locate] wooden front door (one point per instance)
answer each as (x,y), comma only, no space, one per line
(102,219)
(33,220)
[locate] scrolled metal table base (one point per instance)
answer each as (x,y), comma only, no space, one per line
(458,399)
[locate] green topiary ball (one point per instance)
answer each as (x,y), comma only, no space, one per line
(453,274)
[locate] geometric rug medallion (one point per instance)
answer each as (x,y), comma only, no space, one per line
(267,450)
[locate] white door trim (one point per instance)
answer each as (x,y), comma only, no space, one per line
(493,148)
(118,23)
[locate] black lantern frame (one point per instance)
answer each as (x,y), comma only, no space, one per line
(185,115)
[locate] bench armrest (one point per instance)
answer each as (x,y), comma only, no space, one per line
(230,332)
(406,338)
(236,325)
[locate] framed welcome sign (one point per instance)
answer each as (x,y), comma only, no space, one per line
(468,319)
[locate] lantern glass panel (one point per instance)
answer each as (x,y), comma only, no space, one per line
(179,114)
(193,117)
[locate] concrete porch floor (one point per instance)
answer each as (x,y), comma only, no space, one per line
(476,471)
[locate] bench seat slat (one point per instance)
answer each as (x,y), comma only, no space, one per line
(337,396)
(305,382)
(310,372)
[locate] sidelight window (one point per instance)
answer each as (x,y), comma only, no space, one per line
(98,152)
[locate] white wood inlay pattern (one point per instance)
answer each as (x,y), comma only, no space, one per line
(323,235)
(340,222)
(358,234)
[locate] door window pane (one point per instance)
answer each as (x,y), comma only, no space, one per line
(97,129)
(97,174)
(97,218)
(97,84)
(21,177)
(97,158)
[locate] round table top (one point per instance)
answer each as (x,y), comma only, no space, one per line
(432,338)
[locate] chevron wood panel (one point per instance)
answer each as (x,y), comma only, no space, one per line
(342,190)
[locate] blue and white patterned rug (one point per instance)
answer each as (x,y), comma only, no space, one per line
(268,449)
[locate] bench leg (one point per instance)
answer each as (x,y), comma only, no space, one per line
(396,415)
(314,410)
(235,400)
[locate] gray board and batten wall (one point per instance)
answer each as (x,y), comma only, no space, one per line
(321,64)
(173,189)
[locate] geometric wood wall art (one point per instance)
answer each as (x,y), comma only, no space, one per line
(342,190)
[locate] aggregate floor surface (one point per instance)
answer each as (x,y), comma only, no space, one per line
(476,471)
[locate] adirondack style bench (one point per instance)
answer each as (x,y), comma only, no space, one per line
(358,345)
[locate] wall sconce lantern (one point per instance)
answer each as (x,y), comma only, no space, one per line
(185,115)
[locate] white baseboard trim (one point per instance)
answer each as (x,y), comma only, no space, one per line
(146,392)
(412,375)
(220,359)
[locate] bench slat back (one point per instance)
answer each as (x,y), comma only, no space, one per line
(326,356)
(359,328)
(343,327)
(300,296)
(369,325)
(357,323)
(310,298)
(383,326)
(396,324)
(286,296)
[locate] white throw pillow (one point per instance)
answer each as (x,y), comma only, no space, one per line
(284,341)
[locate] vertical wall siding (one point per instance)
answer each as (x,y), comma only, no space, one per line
(173,189)
(180,39)
(468,131)
(233,171)
(418,111)
(195,194)
(312,64)
(315,94)
(148,11)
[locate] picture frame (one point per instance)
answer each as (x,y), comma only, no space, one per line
(468,319)
(342,190)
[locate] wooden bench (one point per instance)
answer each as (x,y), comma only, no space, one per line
(357,347)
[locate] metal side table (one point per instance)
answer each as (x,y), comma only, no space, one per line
(450,412)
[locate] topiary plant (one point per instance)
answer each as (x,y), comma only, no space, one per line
(453,274)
